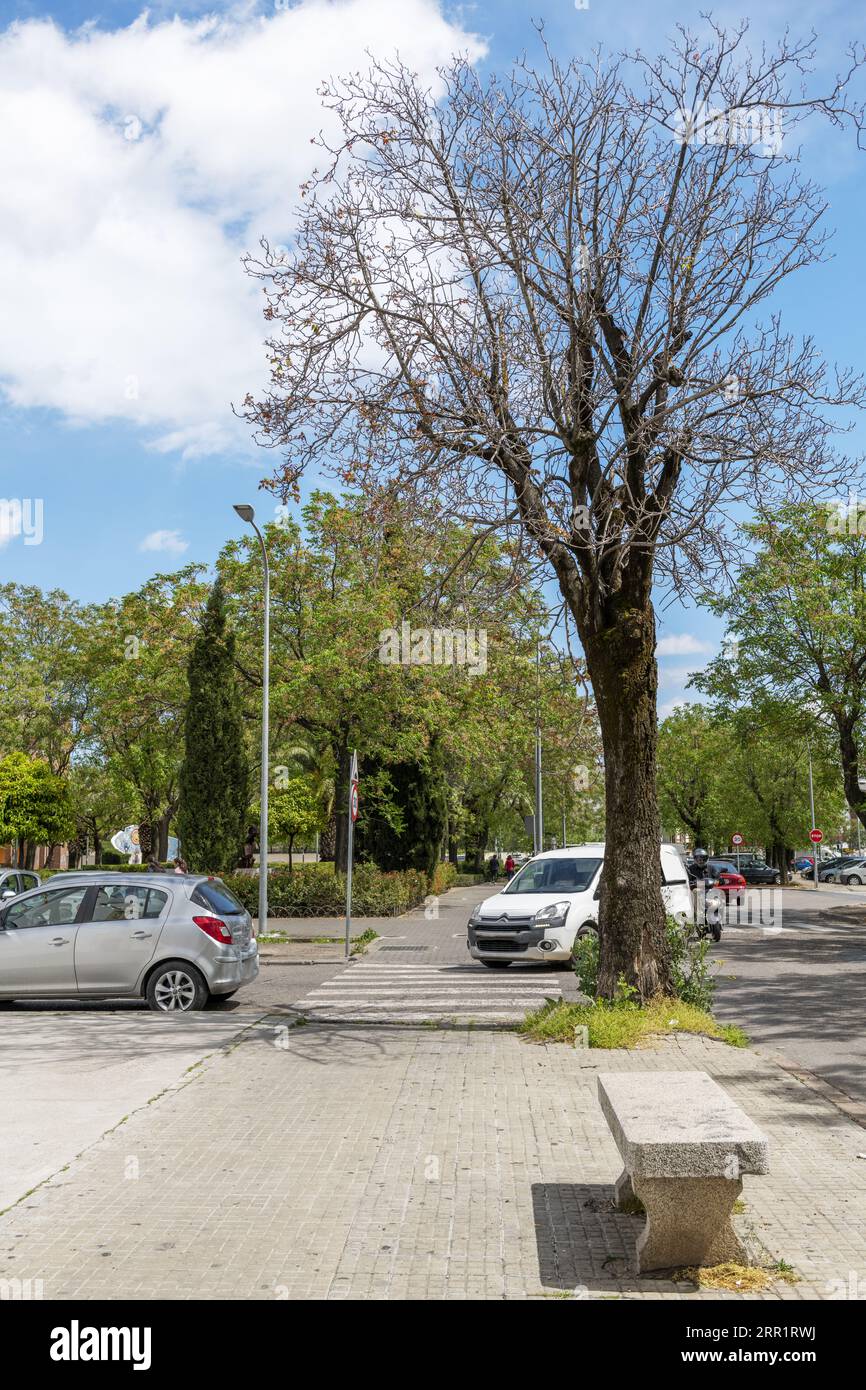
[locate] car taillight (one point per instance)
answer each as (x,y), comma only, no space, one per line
(215,927)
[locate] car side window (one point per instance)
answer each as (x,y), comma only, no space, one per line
(127,902)
(50,909)
(156,901)
(28,881)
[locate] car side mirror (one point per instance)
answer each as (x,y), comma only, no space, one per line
(7,893)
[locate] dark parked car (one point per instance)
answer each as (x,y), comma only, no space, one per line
(755,870)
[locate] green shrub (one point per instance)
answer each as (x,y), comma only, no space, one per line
(307,891)
(585,960)
(691,965)
(444,877)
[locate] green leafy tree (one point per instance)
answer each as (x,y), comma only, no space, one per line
(404,817)
(294,812)
(797,631)
(214,780)
(692,751)
(140,688)
(35,807)
(46,673)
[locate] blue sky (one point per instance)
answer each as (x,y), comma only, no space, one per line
(128,324)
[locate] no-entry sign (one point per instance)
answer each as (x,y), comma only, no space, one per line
(816,836)
(736,839)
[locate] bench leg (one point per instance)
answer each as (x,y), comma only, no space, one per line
(688,1222)
(623,1193)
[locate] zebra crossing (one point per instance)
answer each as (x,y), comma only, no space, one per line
(371,991)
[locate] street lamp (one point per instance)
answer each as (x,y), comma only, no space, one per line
(246,513)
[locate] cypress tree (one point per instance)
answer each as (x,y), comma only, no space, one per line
(215,777)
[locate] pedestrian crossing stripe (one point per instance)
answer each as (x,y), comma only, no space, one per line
(383,993)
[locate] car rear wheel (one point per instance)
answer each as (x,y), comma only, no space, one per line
(176,987)
(496,964)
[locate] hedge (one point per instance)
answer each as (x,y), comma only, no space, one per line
(307,891)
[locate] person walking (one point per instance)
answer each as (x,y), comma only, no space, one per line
(510,865)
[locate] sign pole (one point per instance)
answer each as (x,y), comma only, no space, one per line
(812,833)
(353,816)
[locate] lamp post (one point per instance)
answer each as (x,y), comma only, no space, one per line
(246,513)
(539,809)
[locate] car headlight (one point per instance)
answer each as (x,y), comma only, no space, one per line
(553,915)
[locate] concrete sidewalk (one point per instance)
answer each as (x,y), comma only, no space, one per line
(337,1162)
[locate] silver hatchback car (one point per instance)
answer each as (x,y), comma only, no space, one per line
(172,939)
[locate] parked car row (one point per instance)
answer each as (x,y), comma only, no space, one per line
(848,869)
(753,871)
(172,939)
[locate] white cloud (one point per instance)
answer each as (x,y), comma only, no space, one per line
(669,706)
(676,675)
(170,541)
(683,644)
(136,167)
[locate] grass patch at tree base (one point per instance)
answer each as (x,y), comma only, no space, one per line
(624,1024)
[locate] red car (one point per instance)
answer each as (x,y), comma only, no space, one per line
(731,885)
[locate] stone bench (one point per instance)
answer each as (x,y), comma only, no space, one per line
(684,1145)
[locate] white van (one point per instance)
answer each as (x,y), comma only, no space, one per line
(552,900)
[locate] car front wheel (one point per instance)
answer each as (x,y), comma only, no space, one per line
(176,987)
(854,879)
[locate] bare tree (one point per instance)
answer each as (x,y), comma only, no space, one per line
(535,300)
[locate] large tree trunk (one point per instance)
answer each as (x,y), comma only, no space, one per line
(849,753)
(328,839)
(620,653)
(161,828)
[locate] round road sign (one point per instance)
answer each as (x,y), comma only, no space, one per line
(816,836)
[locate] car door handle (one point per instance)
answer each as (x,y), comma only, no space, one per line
(142,935)
(60,941)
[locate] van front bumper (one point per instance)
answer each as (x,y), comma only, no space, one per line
(492,943)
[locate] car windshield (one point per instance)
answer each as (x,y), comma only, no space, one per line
(554,876)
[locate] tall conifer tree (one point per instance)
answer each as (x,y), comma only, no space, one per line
(215,777)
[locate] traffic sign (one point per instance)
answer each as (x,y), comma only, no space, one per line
(816,836)
(736,839)
(354,801)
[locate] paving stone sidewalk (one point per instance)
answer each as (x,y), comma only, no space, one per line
(346,1162)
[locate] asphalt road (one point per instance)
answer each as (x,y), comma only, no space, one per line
(796,982)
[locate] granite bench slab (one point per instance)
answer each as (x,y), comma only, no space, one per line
(685,1145)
